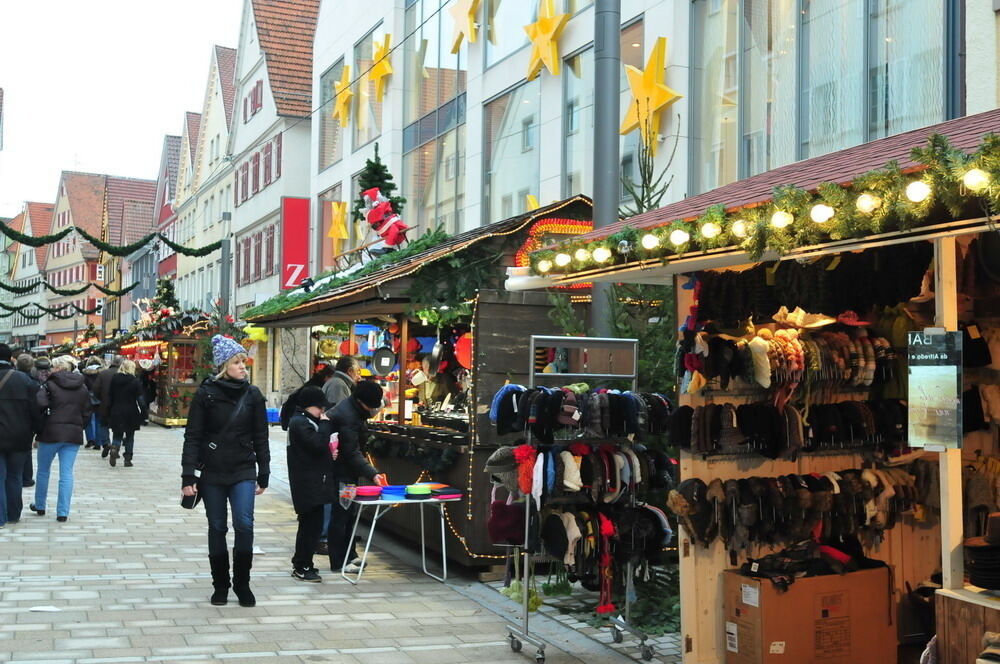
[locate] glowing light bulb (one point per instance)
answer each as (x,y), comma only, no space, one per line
(918,191)
(710,229)
(650,241)
(562,260)
(741,228)
(976,179)
(602,254)
(868,203)
(679,237)
(582,255)
(544,266)
(821,213)
(781,219)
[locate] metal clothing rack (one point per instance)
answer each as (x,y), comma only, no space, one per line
(605,353)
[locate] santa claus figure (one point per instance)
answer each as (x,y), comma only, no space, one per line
(383,220)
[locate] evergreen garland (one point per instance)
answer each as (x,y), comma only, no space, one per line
(31,241)
(942,168)
(49,310)
(188,251)
(113,249)
(21,290)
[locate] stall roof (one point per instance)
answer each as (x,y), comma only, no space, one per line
(841,167)
(373,294)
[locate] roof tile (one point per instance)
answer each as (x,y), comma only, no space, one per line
(225,59)
(286,29)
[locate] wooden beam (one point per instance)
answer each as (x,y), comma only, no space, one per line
(950,461)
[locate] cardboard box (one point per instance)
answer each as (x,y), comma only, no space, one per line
(834,619)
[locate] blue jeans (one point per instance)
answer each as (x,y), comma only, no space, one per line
(327,511)
(103,431)
(92,433)
(67,457)
(240,497)
(128,437)
(11,480)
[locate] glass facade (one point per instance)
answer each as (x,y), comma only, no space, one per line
(326,252)
(510,151)
(330,132)
(367,120)
(505,27)
(776,81)
(578,114)
(434,108)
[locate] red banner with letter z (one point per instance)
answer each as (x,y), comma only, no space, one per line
(294,241)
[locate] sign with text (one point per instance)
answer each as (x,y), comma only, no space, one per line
(934,375)
(294,241)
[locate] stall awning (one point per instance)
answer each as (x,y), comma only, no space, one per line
(384,291)
(841,167)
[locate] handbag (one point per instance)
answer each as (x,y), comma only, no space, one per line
(232,418)
(506,521)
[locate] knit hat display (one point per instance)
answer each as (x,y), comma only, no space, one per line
(224,348)
(502,467)
(369,393)
(312,396)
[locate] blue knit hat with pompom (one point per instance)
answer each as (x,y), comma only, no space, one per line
(224,348)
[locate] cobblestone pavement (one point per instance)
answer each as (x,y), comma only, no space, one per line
(125,579)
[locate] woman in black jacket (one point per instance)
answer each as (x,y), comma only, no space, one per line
(67,401)
(126,411)
(226,437)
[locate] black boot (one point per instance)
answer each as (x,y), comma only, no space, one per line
(105,451)
(242,562)
(114,456)
(128,460)
(220,579)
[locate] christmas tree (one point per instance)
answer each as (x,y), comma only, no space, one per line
(165,297)
(376,174)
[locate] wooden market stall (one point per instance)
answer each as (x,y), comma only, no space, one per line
(961,290)
(422,440)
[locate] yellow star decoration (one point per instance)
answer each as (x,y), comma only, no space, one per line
(544,35)
(338,225)
(532,202)
(418,62)
(342,96)
(649,95)
(464,12)
(382,67)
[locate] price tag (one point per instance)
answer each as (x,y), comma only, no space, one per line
(576,416)
(750,594)
(777,648)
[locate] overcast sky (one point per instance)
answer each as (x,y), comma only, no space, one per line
(94,85)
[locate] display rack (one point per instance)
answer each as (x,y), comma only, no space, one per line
(596,360)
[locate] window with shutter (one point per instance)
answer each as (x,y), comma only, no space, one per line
(246,260)
(277,156)
(236,187)
(255,183)
(267,164)
(256,256)
(269,254)
(246,109)
(238,263)
(260,94)
(244,181)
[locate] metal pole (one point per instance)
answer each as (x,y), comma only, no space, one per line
(607,188)
(225,276)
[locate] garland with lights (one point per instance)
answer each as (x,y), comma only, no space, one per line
(113,249)
(885,200)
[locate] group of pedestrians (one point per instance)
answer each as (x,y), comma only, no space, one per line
(56,406)
(226,463)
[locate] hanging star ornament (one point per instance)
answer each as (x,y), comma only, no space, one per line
(464,12)
(342,96)
(382,67)
(544,36)
(650,95)
(531,201)
(338,225)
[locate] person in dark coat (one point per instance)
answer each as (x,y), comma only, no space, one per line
(20,419)
(67,400)
(226,437)
(126,411)
(310,475)
(100,390)
(26,365)
(92,367)
(349,420)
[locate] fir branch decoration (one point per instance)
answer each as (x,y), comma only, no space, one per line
(196,252)
(36,242)
(112,249)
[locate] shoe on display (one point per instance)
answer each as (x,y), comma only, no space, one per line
(311,575)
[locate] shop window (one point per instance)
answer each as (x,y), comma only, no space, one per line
(326,251)
(367,120)
(505,24)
